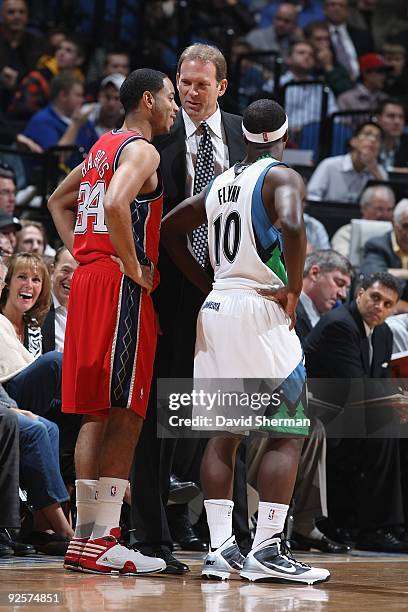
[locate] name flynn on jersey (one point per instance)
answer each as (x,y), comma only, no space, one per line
(99,162)
(229,193)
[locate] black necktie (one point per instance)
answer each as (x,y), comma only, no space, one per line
(204,172)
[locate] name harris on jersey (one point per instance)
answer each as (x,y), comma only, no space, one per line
(99,162)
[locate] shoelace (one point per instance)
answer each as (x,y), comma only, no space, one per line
(285,551)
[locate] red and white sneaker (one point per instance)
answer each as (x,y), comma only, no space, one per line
(107,556)
(73,554)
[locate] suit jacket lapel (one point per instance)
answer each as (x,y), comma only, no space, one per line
(363,338)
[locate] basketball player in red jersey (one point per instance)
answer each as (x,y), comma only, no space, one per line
(108,212)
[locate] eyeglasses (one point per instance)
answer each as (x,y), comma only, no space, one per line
(11,193)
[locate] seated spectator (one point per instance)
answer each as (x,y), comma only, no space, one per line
(399,327)
(376,204)
(116,62)
(7,191)
(326,66)
(394,151)
(316,234)
(369,93)
(364,479)
(6,250)
(342,178)
(389,253)
(53,328)
(62,122)
(32,238)
(40,472)
(20,47)
(308,11)
(326,279)
(348,42)
(396,83)
(303,103)
(27,298)
(9,226)
(33,92)
(107,113)
(278,36)
(9,473)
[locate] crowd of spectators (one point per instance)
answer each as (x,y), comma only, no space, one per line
(318,57)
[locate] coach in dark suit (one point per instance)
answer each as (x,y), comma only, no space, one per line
(390,252)
(363,474)
(201,81)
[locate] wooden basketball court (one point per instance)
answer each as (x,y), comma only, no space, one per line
(359,581)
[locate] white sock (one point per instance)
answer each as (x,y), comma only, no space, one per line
(86,507)
(219,519)
(271,520)
(110,498)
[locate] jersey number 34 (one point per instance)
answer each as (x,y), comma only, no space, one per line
(90,206)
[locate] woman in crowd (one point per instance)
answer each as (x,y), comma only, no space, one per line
(33,382)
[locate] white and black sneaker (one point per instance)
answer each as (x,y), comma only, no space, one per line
(224,562)
(272,561)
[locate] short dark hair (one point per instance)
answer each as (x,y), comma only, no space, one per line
(387,101)
(73,39)
(385,278)
(360,128)
(7,172)
(139,81)
(263,116)
(327,260)
(58,253)
(315,25)
(63,83)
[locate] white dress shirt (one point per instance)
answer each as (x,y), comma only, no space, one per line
(219,143)
(60,324)
(310,309)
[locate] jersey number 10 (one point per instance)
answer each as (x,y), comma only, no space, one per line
(227,235)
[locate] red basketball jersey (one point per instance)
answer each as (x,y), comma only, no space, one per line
(91,237)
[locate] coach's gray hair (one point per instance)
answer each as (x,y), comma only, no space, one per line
(400,209)
(371,192)
(327,260)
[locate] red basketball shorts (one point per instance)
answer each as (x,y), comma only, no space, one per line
(110,342)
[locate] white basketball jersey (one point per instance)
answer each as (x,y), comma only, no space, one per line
(245,248)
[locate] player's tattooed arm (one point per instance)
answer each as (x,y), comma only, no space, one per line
(62,205)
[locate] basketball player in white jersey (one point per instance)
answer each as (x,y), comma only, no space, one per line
(257,244)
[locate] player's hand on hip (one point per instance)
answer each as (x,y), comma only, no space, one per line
(142,275)
(286,299)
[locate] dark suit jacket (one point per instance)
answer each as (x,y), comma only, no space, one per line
(48,331)
(401,154)
(379,256)
(362,40)
(337,348)
(303,325)
(177,300)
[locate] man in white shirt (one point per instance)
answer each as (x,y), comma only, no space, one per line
(53,329)
(342,178)
(348,42)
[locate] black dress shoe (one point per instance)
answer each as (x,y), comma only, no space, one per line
(19,548)
(381,540)
(173,565)
(301,542)
(182,530)
(6,551)
(49,543)
(181,492)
